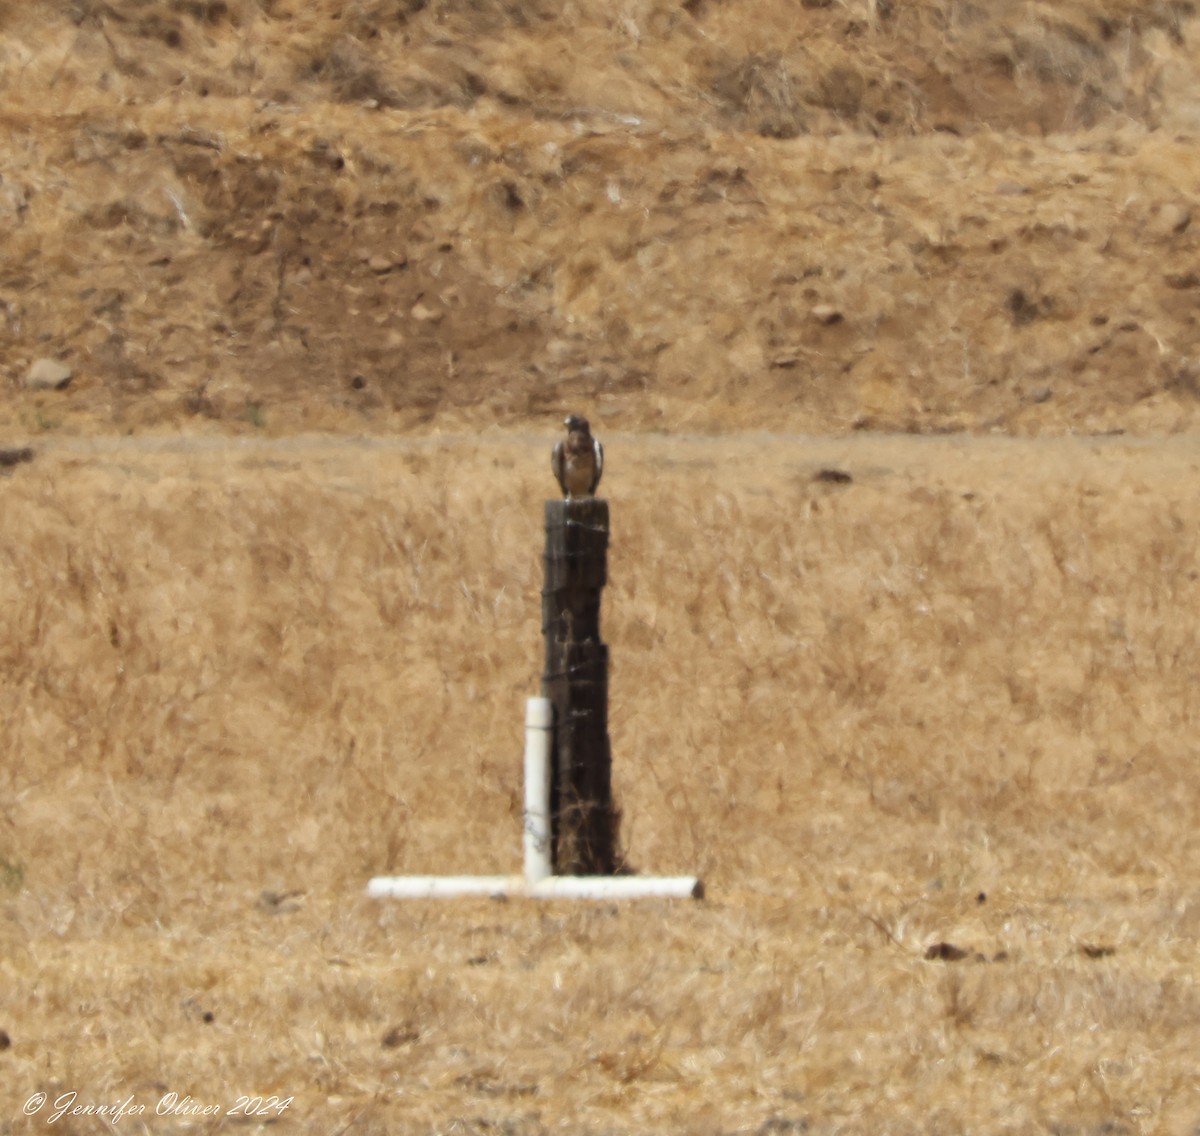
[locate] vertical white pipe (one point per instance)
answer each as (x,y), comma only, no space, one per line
(539,734)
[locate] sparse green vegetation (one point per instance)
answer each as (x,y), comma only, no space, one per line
(12,875)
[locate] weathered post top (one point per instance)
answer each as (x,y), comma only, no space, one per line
(576,561)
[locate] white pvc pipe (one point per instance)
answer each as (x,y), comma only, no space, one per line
(552,887)
(537,882)
(443,887)
(618,887)
(539,734)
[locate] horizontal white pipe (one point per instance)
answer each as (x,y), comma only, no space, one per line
(442,887)
(539,735)
(552,887)
(618,887)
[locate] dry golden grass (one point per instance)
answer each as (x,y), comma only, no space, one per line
(950,702)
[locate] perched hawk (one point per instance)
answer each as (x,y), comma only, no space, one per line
(578,460)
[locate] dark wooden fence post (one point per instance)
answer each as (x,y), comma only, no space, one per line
(583,819)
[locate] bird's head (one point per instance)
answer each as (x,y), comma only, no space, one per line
(575,422)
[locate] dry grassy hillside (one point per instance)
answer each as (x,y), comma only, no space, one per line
(928,734)
(896,214)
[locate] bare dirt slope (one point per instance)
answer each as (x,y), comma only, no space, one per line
(387,213)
